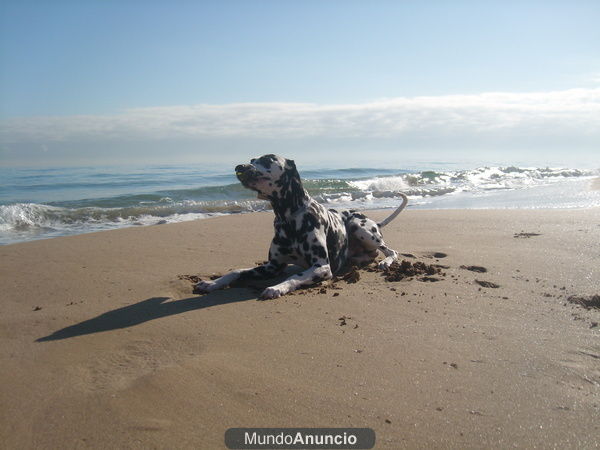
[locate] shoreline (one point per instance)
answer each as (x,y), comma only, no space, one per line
(127,356)
(45,214)
(594,185)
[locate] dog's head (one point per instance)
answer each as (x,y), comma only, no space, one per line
(273,177)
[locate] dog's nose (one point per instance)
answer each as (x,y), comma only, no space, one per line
(243,172)
(243,169)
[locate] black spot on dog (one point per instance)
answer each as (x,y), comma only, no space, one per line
(266,271)
(265,160)
(282,241)
(319,251)
(309,223)
(285,250)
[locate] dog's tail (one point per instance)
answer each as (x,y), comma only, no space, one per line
(392,216)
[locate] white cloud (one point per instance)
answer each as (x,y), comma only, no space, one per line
(571,112)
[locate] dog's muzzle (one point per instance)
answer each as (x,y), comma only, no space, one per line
(246,173)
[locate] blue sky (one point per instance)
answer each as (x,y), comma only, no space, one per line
(79,79)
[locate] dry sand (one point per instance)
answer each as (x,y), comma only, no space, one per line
(127,357)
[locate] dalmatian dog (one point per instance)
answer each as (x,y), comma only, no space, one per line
(322,241)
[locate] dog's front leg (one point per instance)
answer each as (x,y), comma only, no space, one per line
(314,274)
(267,270)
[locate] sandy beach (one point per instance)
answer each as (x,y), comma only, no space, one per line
(104,345)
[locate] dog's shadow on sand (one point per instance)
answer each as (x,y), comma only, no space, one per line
(150,309)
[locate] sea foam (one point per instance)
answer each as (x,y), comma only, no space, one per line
(66,207)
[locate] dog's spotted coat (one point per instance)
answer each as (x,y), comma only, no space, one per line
(322,241)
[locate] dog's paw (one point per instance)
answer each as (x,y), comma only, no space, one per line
(271,292)
(204,287)
(384,265)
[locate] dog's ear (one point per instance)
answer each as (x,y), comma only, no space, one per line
(290,166)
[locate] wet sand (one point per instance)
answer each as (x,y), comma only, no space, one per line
(103,344)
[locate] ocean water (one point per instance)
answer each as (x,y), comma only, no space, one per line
(45,203)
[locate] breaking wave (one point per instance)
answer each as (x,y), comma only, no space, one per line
(351,188)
